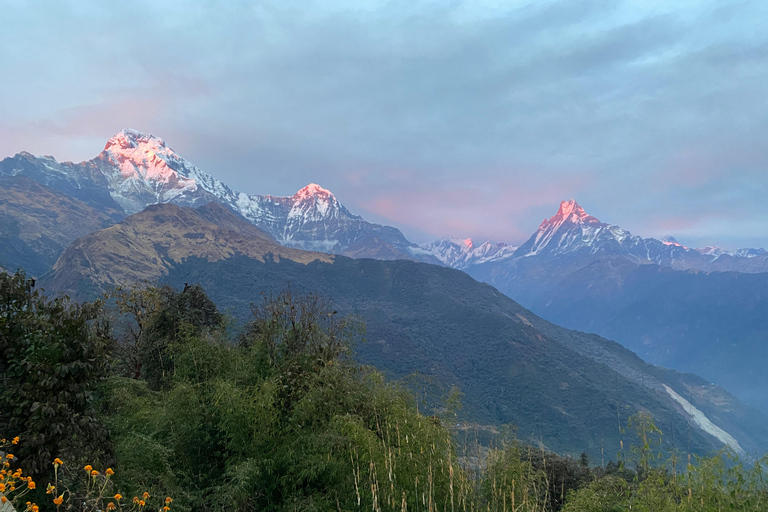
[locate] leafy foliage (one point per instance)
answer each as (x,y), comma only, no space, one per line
(282,420)
(53,354)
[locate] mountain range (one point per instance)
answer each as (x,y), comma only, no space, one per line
(136,170)
(138,211)
(563,389)
(575,234)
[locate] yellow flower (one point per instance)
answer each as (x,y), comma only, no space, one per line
(15,440)
(88,467)
(57,462)
(2,487)
(94,473)
(166,508)
(9,456)
(59,500)
(35,508)
(118,496)
(141,503)
(31,485)
(3,500)
(109,472)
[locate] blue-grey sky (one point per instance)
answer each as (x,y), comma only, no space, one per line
(442,118)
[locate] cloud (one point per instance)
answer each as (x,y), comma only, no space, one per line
(640,110)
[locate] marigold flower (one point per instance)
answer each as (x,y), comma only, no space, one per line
(2,487)
(111,506)
(166,507)
(118,496)
(109,472)
(9,456)
(168,500)
(3,500)
(35,508)
(145,495)
(57,462)
(94,473)
(88,467)
(15,440)
(31,485)
(141,503)
(59,500)
(135,499)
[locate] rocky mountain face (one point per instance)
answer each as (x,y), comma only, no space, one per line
(562,388)
(136,170)
(37,223)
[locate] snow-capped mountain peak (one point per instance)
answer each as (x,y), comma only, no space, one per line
(569,212)
(131,139)
(313,203)
(313,190)
(670,240)
(461,252)
(144,157)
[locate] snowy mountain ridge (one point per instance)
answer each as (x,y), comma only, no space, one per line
(462,253)
(573,233)
(136,170)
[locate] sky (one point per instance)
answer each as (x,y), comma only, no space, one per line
(443,118)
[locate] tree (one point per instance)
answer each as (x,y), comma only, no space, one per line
(158,318)
(53,355)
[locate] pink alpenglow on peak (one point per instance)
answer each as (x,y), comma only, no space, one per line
(144,157)
(668,240)
(313,190)
(569,211)
(128,139)
(468,243)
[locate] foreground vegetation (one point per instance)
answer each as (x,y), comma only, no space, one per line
(278,416)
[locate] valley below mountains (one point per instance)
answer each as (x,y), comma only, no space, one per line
(504,325)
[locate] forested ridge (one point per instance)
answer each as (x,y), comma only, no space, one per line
(161,395)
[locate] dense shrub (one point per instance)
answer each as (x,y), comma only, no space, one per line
(53,355)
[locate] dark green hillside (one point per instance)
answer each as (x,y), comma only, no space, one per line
(440,321)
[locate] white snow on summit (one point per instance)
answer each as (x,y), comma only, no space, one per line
(461,253)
